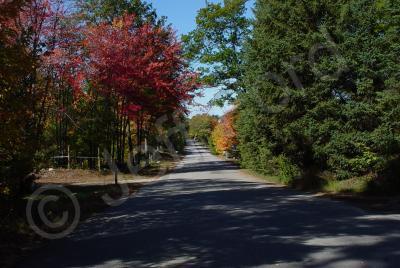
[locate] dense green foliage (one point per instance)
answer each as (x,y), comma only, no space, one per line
(97,11)
(323,92)
(201,127)
(216,45)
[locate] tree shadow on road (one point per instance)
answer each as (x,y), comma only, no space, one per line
(207,166)
(223,223)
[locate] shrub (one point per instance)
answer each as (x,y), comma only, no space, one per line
(287,171)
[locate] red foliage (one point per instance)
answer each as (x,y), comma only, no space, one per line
(142,66)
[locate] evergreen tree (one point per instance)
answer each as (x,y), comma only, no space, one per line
(322,87)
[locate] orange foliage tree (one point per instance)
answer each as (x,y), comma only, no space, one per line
(224,134)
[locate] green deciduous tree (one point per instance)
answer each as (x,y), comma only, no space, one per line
(98,11)
(201,127)
(216,44)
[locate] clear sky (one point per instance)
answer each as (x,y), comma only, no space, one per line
(182,15)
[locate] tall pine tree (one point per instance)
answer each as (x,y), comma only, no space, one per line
(322,88)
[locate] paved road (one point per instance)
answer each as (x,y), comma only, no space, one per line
(210,214)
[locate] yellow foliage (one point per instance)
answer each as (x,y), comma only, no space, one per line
(224,134)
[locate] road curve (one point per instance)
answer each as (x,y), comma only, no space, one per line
(210,214)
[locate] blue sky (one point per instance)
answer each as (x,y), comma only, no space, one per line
(182,15)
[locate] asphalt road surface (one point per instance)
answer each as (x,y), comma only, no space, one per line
(210,214)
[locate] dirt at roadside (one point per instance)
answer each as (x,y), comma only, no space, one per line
(73,176)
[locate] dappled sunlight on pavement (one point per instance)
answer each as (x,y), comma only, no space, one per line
(210,214)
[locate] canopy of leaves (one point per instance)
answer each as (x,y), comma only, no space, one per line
(98,11)
(202,126)
(322,87)
(85,80)
(216,44)
(141,65)
(25,36)
(224,134)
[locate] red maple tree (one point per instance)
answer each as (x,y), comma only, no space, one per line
(140,67)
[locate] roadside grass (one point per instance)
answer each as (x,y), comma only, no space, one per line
(359,191)
(319,183)
(355,185)
(365,191)
(265,177)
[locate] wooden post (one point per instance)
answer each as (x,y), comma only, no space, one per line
(98,159)
(116,175)
(146,149)
(69,165)
(114,168)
